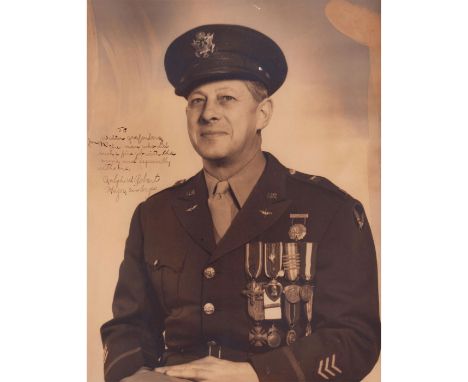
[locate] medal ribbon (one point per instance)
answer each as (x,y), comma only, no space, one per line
(292,261)
(291,313)
(248,265)
(308,261)
(272,267)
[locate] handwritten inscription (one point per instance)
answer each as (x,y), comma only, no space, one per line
(130,163)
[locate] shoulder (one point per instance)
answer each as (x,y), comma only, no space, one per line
(171,191)
(318,183)
(326,193)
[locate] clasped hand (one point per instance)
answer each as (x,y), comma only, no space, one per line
(211,369)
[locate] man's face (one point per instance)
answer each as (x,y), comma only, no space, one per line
(222,120)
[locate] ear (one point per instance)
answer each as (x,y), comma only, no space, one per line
(264,113)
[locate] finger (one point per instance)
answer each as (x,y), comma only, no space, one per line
(194,373)
(164,369)
(182,366)
(209,360)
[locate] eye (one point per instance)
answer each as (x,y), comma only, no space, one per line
(196,101)
(226,98)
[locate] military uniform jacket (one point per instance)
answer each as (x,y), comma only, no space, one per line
(159,307)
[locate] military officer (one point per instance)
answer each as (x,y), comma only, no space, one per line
(248,271)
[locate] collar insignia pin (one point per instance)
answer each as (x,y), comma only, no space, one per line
(272,195)
(265,212)
(360,216)
(106,353)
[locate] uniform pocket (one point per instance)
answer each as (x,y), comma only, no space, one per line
(165,269)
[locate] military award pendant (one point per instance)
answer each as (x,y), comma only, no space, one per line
(292,316)
(291,336)
(257,336)
(292,293)
(254,293)
(298,231)
(273,337)
(307,296)
(273,255)
(273,290)
(254,290)
(306,292)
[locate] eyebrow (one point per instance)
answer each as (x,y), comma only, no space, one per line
(196,92)
(200,92)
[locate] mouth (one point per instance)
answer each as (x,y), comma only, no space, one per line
(212,134)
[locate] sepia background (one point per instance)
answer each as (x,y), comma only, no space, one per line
(326,116)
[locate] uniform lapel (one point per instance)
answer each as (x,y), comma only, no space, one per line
(265,205)
(191,208)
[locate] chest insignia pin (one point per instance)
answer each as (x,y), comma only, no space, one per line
(190,209)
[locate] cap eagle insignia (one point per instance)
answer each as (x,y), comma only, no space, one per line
(203,44)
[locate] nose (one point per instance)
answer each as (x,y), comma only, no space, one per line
(210,112)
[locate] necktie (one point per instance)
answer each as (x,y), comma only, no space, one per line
(222,208)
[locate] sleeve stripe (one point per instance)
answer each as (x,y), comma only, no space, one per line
(120,357)
(294,364)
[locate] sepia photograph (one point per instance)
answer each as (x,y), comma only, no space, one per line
(213,191)
(233,167)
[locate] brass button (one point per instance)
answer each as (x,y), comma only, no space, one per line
(208,308)
(209,272)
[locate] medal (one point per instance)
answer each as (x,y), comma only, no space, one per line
(273,290)
(273,337)
(291,336)
(307,296)
(306,293)
(298,231)
(292,316)
(293,293)
(257,336)
(254,293)
(254,289)
(273,254)
(291,261)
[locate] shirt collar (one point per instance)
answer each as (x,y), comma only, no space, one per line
(243,181)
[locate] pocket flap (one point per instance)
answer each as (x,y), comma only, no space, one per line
(172,256)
